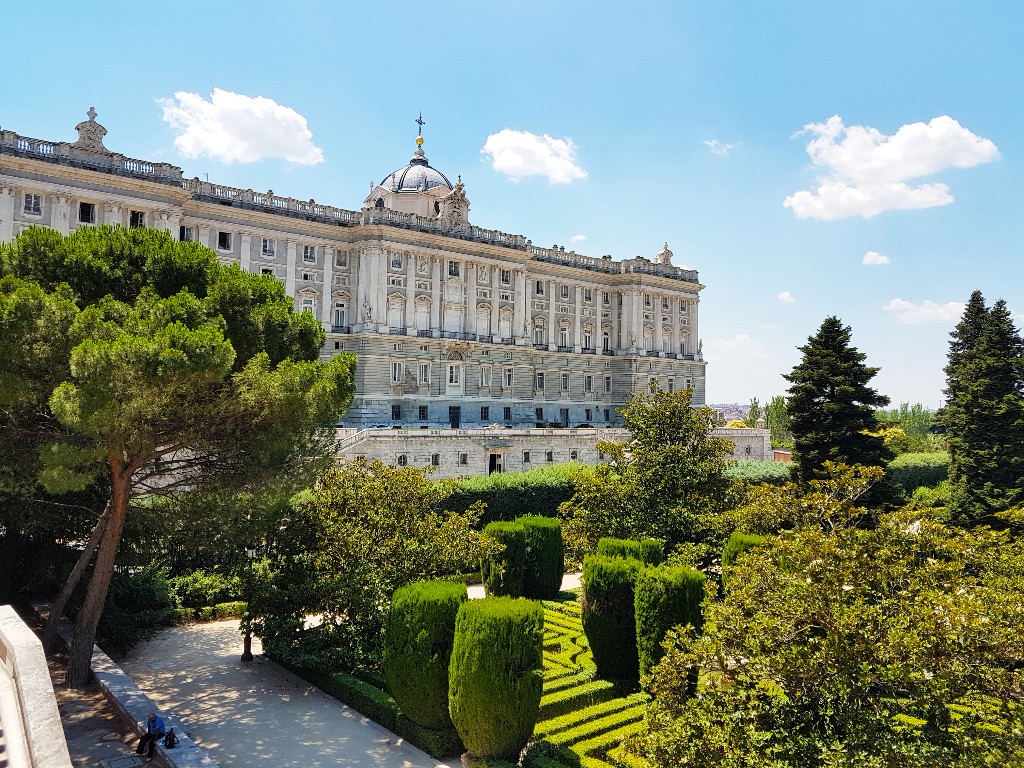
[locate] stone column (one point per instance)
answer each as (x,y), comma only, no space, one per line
(435,294)
(624,315)
(552,322)
(245,251)
(60,215)
(694,335)
(471,298)
(675,324)
(113,214)
(637,320)
(326,299)
(520,308)
(292,260)
(577,332)
(495,286)
(7,195)
(410,294)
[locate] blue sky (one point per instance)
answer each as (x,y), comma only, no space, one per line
(610,128)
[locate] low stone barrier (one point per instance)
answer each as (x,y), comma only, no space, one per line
(133,705)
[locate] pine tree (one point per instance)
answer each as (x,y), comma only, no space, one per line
(830,405)
(984,413)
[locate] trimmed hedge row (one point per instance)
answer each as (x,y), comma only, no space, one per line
(509,494)
(646,551)
(496,675)
(757,472)
(545,557)
(418,641)
(503,573)
(918,470)
(232,610)
(665,597)
(608,615)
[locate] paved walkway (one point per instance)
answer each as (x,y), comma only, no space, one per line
(240,712)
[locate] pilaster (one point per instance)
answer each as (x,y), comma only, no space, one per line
(245,251)
(435,294)
(113,213)
(289,275)
(410,294)
(60,216)
(7,195)
(552,317)
(326,294)
(577,330)
(521,309)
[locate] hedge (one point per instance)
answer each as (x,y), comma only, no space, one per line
(545,557)
(496,675)
(608,616)
(418,638)
(665,597)
(232,610)
(502,574)
(917,470)
(362,697)
(646,551)
(509,494)
(757,472)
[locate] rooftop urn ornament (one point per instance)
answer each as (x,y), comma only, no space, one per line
(91,133)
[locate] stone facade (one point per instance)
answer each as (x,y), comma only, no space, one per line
(453,325)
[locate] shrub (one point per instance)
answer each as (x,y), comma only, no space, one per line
(737,544)
(201,588)
(137,605)
(545,557)
(757,472)
(439,743)
(496,675)
(509,494)
(665,597)
(915,470)
(503,573)
(417,647)
(646,551)
(362,697)
(925,497)
(232,610)
(608,617)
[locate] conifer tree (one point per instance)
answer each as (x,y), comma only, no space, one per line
(830,405)
(984,413)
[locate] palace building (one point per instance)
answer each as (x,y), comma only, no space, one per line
(454,325)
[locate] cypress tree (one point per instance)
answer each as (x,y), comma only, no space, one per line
(830,405)
(984,412)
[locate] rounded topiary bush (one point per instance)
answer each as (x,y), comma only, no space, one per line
(502,574)
(665,597)
(609,620)
(418,640)
(496,675)
(545,557)
(646,551)
(737,544)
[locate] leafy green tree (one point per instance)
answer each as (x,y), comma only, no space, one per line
(896,645)
(830,405)
(755,414)
(984,412)
(776,415)
(154,395)
(662,484)
(364,531)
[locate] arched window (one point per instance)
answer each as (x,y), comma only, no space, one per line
(379,203)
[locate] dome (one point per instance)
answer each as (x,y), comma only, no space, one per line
(417,176)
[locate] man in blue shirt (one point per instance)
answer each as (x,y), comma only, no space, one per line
(154,730)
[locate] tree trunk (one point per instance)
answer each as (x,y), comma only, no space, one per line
(58,605)
(80,660)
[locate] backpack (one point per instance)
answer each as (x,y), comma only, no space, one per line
(170,740)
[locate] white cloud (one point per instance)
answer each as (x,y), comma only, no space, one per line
(874,258)
(577,238)
(867,171)
(786,297)
(718,148)
(927,311)
(235,128)
(518,154)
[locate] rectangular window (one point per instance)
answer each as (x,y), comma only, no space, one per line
(185,234)
(33,204)
(339,313)
(485,376)
(136,219)
(224,241)
(540,381)
(538,335)
(564,291)
(87,213)
(607,383)
(396,412)
(308,304)
(396,261)
(588,295)
(588,340)
(268,247)
(309,254)
(606,298)
(308,277)
(422,412)
(454,374)
(565,382)
(563,337)
(588,414)
(607,413)
(424,373)
(506,277)
(267,271)
(588,385)
(506,413)
(664,305)
(485,412)
(539,413)
(549,456)
(397,372)
(540,288)
(463,459)
(526,457)
(435,460)
(341,259)
(453,269)
(647,299)
(671,385)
